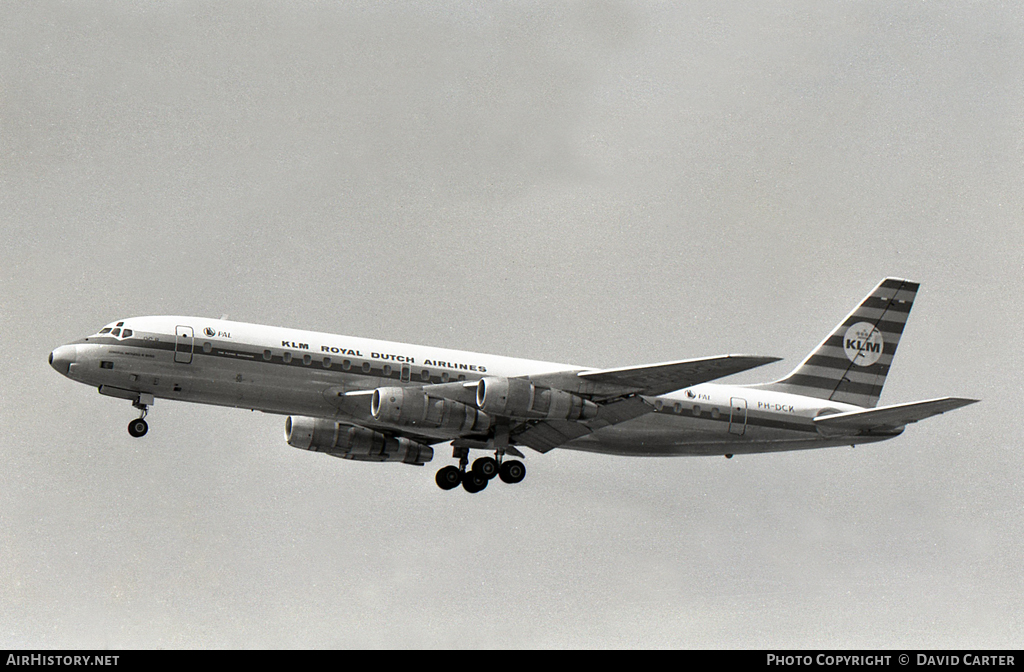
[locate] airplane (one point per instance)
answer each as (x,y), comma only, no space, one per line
(383,401)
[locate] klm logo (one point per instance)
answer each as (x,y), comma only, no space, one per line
(866,347)
(863,344)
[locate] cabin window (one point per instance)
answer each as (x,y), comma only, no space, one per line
(462,376)
(307,360)
(207,347)
(696,411)
(287,357)
(444,376)
(366,367)
(715,414)
(425,376)
(346,364)
(106,365)
(267,355)
(387,370)
(327,362)
(678,408)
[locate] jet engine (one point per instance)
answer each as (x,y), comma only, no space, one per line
(413,407)
(353,443)
(518,398)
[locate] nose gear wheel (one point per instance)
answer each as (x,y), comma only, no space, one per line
(138,427)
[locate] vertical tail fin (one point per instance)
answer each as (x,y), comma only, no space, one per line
(851,364)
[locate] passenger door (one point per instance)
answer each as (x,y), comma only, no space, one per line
(183,341)
(737,416)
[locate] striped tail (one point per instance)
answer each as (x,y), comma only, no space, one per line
(851,364)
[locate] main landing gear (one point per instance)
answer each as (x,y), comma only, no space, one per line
(484,468)
(138,427)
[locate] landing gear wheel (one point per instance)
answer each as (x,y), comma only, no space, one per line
(486,467)
(448,478)
(138,427)
(473,482)
(512,471)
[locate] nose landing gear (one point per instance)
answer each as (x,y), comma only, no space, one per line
(138,427)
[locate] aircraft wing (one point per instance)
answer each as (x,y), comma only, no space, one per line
(888,417)
(617,392)
(650,379)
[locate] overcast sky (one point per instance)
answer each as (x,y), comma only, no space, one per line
(602,184)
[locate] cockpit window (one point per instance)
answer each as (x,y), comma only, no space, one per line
(117,330)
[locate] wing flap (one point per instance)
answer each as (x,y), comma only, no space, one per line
(890,417)
(550,434)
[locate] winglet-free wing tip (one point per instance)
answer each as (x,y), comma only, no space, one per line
(760,359)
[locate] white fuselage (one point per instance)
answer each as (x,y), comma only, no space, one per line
(295,372)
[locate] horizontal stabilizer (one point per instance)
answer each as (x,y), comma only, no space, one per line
(655,379)
(889,417)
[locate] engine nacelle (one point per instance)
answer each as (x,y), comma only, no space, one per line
(412,407)
(353,443)
(518,398)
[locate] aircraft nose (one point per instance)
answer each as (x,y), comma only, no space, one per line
(62,358)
